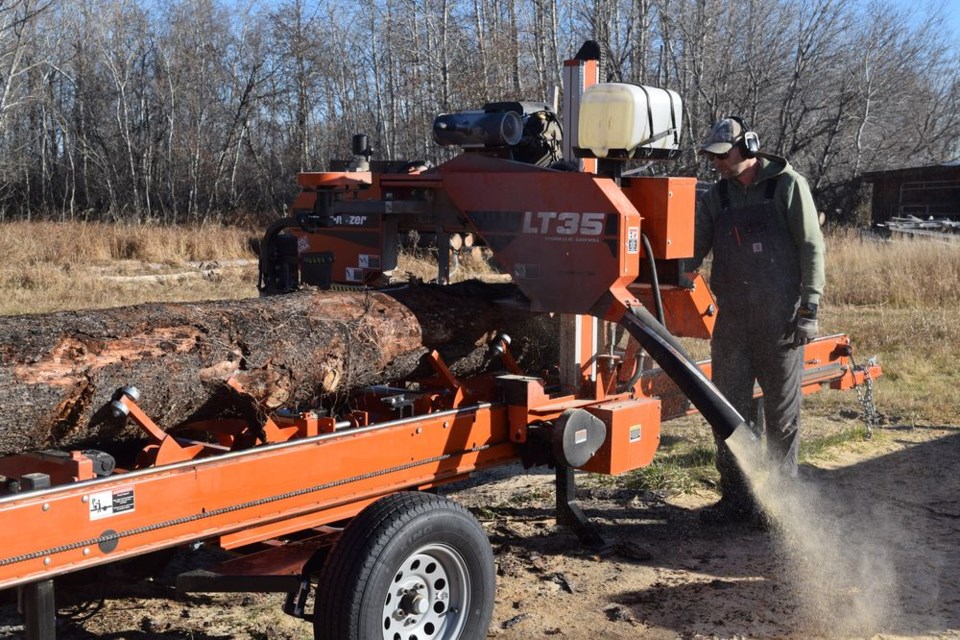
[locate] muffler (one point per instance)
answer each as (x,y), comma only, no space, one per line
(683,370)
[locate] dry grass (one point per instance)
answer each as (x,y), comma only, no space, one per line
(899,300)
(78,243)
(864,270)
(60,266)
(422,265)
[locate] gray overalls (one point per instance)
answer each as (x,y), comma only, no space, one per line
(756,278)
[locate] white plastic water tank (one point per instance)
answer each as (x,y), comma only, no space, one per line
(616,119)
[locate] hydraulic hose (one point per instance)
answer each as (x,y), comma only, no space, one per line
(657,305)
(683,370)
(267,256)
(654,279)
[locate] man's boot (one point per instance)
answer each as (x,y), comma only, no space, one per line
(728,511)
(737,504)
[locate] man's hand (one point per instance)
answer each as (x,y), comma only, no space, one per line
(806,327)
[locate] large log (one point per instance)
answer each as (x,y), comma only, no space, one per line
(58,371)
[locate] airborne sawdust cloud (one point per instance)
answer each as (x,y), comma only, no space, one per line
(839,558)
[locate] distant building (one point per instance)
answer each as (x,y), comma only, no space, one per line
(921,192)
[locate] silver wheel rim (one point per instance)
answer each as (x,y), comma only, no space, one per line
(429,596)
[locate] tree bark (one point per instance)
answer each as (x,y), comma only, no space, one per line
(59,371)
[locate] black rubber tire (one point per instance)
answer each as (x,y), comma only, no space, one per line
(358,580)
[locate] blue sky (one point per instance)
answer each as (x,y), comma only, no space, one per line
(949,10)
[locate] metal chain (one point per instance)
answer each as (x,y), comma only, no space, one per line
(865,394)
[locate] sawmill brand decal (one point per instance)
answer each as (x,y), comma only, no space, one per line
(570,224)
(105,504)
(352,221)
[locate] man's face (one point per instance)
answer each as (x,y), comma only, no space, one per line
(731,164)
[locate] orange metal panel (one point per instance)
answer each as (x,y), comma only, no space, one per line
(567,238)
(291,525)
(411,181)
(46,533)
(60,468)
(633,435)
(357,250)
(667,206)
(689,312)
(355,240)
(326,179)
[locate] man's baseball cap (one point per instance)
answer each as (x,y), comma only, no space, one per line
(723,135)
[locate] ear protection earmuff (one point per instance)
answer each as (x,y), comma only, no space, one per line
(749,141)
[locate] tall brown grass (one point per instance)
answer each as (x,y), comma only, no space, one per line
(865,270)
(899,300)
(60,266)
(80,243)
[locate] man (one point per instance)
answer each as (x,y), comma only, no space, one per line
(760,222)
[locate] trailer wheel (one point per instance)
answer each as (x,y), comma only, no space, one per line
(411,566)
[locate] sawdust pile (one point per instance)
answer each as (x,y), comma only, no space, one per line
(839,558)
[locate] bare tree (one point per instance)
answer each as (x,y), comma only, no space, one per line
(189,111)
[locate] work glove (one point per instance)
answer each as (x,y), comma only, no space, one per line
(806,327)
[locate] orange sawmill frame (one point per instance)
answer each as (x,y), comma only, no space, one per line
(270,490)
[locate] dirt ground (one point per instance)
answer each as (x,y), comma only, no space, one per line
(871,550)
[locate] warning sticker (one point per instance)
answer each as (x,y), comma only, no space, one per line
(106,504)
(354,274)
(633,239)
(369,261)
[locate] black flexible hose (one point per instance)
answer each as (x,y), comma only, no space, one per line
(683,370)
(657,304)
(654,279)
(632,382)
(265,263)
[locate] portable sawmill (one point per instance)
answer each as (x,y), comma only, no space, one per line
(342,496)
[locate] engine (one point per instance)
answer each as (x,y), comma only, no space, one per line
(527,132)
